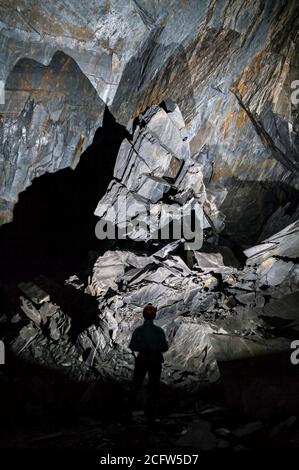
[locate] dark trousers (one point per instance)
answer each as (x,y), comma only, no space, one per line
(146,364)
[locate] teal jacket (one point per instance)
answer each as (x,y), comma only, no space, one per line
(149,339)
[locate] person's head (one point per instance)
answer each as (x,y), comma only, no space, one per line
(149,312)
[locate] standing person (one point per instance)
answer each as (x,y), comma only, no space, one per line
(150,342)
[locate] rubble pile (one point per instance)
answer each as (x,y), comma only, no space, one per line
(195,303)
(208,311)
(43,337)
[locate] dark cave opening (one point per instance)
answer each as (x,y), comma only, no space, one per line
(250,205)
(53,226)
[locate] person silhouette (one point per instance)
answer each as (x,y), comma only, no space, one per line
(150,342)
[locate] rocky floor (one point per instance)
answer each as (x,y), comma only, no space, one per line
(206,425)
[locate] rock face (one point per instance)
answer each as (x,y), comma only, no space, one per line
(51,115)
(228,66)
(150,167)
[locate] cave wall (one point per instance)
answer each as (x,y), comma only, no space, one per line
(51,115)
(228,65)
